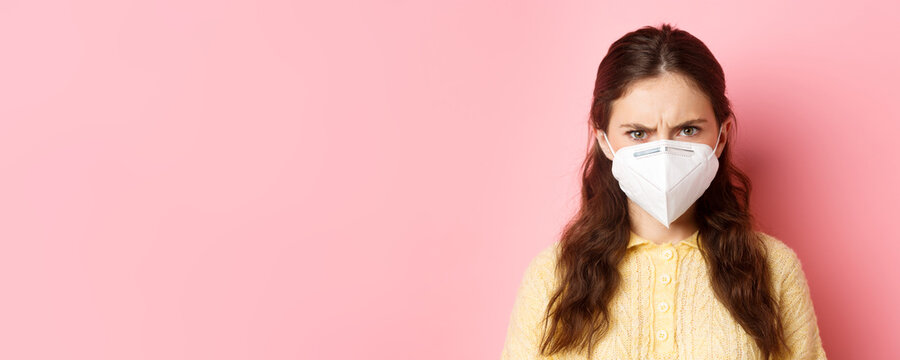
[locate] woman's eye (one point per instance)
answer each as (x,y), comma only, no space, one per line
(633,134)
(691,130)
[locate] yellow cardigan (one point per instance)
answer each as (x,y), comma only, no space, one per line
(666,309)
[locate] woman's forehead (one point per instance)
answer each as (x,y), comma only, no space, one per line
(667,100)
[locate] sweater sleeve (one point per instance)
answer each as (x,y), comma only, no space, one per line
(797,313)
(523,335)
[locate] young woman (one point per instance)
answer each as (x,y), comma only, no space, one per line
(662,261)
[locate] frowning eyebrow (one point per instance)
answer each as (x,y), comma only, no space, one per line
(642,127)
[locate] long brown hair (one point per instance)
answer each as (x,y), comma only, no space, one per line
(594,242)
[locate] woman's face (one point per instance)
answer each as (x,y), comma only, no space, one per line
(663,107)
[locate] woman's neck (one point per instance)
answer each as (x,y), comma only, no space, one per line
(647,227)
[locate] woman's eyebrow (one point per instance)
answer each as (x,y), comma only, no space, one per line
(642,127)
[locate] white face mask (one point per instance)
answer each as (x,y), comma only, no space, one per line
(665,177)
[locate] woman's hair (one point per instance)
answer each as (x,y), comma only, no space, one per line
(594,242)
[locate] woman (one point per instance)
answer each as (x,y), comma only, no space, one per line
(662,260)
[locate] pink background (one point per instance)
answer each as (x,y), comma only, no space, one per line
(368,180)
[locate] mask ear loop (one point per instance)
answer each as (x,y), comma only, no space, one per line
(607,144)
(717,142)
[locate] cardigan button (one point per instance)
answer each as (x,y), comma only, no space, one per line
(667,254)
(665,278)
(661,335)
(663,306)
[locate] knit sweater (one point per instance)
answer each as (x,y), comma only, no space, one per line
(665,307)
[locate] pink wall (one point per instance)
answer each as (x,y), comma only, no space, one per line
(268,180)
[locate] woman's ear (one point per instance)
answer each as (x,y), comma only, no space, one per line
(601,141)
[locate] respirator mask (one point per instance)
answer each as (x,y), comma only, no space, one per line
(665,177)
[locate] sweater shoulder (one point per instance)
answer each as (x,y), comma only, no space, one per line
(777,250)
(548,255)
(782,260)
(546,258)
(542,267)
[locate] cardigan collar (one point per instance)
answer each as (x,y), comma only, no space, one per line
(691,240)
